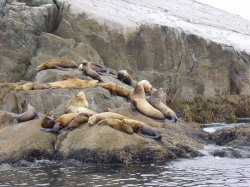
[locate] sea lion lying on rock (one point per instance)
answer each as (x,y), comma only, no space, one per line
(87,70)
(117,124)
(29,114)
(104,115)
(57,64)
(79,119)
(155,101)
(142,129)
(96,67)
(31,86)
(125,77)
(116,89)
(72,82)
(139,103)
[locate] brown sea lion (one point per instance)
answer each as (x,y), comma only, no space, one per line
(79,119)
(155,101)
(72,82)
(87,70)
(63,120)
(57,64)
(142,129)
(139,102)
(29,114)
(116,89)
(31,86)
(146,85)
(48,121)
(125,77)
(104,115)
(116,124)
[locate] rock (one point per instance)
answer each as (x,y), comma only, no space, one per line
(51,46)
(20,27)
(21,139)
(45,102)
(98,144)
(237,139)
(6,118)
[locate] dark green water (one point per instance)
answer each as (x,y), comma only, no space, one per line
(203,171)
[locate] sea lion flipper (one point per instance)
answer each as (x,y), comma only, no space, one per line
(133,110)
(61,68)
(47,130)
(156,137)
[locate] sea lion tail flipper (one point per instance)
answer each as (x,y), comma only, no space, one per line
(156,136)
(47,130)
(61,68)
(133,110)
(56,127)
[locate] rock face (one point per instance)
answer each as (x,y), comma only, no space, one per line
(194,56)
(183,53)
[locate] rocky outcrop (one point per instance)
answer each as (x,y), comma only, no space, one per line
(99,144)
(234,142)
(183,53)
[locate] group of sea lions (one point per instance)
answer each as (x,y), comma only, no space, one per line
(77,111)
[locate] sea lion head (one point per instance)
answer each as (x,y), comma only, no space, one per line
(139,90)
(81,94)
(24,103)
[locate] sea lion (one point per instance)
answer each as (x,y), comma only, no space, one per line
(104,115)
(146,85)
(29,114)
(98,68)
(31,86)
(125,77)
(48,121)
(117,124)
(63,120)
(155,101)
(79,119)
(139,102)
(142,129)
(116,89)
(87,70)
(78,101)
(57,64)
(72,82)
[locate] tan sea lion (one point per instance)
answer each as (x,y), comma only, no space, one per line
(155,101)
(57,64)
(116,124)
(31,86)
(116,89)
(142,129)
(29,114)
(125,77)
(104,115)
(78,101)
(87,70)
(139,102)
(146,85)
(72,82)
(63,120)
(79,119)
